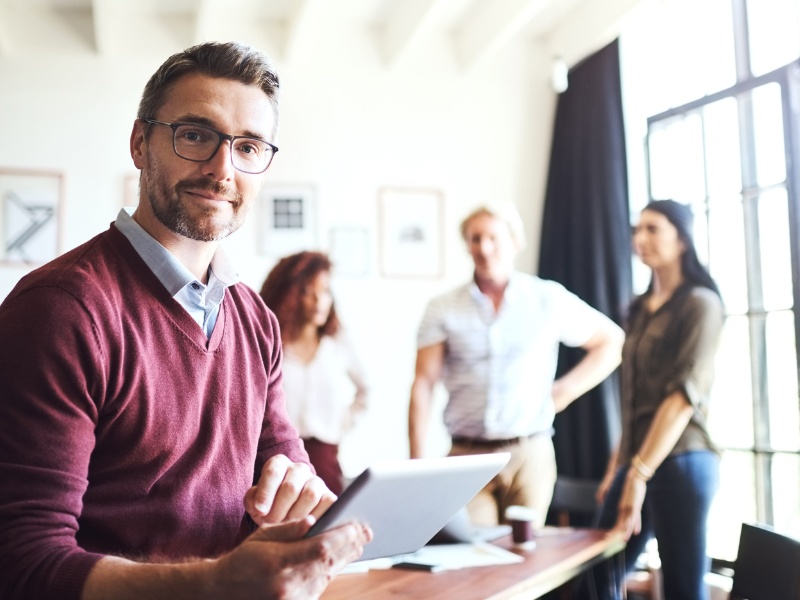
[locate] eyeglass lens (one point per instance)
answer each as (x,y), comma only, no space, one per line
(197,143)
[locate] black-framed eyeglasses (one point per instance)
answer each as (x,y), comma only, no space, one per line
(199,143)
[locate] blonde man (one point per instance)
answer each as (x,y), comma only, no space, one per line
(493,342)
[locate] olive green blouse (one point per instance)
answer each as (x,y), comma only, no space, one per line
(670,349)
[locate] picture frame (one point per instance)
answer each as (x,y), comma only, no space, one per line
(410,225)
(288,219)
(31,207)
(349,251)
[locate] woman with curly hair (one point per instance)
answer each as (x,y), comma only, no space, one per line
(322,376)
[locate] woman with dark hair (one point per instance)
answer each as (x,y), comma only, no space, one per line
(663,476)
(322,377)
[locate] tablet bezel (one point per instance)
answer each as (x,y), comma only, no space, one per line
(407,502)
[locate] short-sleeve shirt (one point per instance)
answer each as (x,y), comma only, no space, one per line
(671,349)
(499,366)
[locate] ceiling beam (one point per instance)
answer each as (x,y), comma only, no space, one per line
(590,28)
(5,42)
(491,26)
(218,20)
(204,19)
(404,24)
(102,16)
(296,24)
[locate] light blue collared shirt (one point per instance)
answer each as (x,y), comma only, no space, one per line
(201,301)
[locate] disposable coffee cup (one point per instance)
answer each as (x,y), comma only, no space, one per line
(521,519)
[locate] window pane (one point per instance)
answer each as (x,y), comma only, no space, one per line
(676,160)
(727,261)
(774,33)
(730,414)
(776,258)
(679,51)
(786,493)
(723,159)
(700,232)
(768,124)
(734,504)
(784,407)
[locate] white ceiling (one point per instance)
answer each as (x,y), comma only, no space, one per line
(475,29)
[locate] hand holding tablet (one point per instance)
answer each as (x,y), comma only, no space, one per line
(406,502)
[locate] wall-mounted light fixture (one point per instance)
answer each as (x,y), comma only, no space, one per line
(559,75)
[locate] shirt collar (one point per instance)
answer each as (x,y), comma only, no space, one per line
(511,291)
(172,274)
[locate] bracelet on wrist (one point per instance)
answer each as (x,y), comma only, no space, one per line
(640,469)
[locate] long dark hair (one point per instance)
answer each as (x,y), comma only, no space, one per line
(283,289)
(694,272)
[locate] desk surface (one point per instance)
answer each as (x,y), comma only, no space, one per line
(559,556)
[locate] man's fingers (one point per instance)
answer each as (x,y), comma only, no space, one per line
(334,548)
(272,477)
(340,546)
(287,491)
(324,503)
(314,499)
(297,494)
(289,531)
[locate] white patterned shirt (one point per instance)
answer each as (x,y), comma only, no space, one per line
(499,366)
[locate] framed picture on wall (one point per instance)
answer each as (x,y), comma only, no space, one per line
(30,213)
(410,226)
(287,214)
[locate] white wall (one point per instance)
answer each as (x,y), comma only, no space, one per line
(349,125)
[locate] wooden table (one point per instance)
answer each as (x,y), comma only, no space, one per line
(559,556)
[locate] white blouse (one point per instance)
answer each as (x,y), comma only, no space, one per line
(324,396)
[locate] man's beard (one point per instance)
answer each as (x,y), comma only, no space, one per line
(182,218)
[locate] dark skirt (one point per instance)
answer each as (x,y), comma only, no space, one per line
(325,458)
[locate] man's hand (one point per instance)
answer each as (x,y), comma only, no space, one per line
(286,491)
(277,562)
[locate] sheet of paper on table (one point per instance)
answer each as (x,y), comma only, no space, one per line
(445,557)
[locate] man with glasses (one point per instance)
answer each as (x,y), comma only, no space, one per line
(145,450)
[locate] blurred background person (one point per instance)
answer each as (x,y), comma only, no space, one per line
(664,474)
(324,381)
(493,341)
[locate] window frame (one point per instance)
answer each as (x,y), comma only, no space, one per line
(788,79)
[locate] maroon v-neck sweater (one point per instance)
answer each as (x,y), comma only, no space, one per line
(123,430)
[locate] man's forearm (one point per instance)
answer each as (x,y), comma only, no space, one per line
(418,417)
(121,579)
(598,364)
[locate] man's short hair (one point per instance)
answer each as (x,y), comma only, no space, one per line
(229,60)
(503,211)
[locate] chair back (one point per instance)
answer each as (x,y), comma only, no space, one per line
(574,497)
(767,567)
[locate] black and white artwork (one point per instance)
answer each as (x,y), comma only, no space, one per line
(30,206)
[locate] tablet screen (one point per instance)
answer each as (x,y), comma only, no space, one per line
(406,502)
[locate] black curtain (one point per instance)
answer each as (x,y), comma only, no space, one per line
(585,241)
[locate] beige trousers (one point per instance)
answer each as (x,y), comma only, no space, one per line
(526,480)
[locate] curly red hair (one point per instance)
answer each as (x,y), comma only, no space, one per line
(283,288)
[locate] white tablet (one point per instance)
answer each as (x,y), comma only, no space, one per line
(407,502)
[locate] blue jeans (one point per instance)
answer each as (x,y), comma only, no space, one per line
(675,511)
